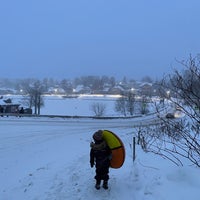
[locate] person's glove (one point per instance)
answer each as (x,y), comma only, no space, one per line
(110,157)
(92,165)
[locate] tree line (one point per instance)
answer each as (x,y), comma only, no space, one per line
(34,89)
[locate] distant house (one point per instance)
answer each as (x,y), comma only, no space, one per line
(13,109)
(80,89)
(145,89)
(116,90)
(10,108)
(56,90)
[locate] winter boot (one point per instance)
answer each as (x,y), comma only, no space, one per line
(97,186)
(105,185)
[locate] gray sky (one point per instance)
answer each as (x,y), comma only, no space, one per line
(72,38)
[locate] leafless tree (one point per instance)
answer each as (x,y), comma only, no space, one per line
(179,138)
(130,102)
(98,109)
(34,90)
(143,105)
(126,103)
(120,105)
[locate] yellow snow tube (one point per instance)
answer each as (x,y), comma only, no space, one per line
(117,148)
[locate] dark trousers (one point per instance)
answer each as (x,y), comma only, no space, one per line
(102,173)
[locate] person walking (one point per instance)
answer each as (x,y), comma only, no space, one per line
(100,156)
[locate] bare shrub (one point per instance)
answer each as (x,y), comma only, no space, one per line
(178,138)
(98,109)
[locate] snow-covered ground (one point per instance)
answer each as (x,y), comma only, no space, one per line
(48,159)
(78,106)
(81,105)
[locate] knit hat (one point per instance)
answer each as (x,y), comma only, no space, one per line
(98,135)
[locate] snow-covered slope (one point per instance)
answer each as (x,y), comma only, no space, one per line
(48,159)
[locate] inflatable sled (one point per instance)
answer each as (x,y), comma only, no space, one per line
(117,148)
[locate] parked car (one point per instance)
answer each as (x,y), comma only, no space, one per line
(170,115)
(28,111)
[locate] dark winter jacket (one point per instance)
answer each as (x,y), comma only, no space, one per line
(100,154)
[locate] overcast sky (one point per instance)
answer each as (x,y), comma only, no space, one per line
(72,38)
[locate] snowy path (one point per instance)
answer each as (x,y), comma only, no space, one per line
(42,153)
(49,160)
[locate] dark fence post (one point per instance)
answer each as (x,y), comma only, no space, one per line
(133,149)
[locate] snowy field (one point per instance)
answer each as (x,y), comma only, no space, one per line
(48,159)
(78,106)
